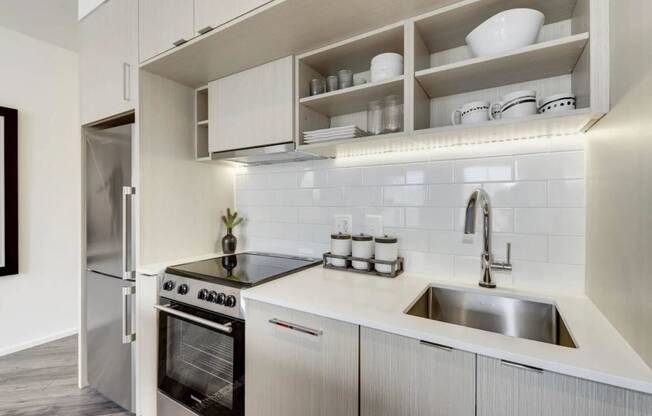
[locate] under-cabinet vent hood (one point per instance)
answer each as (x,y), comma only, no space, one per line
(265,155)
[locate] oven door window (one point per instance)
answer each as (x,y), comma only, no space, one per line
(201,367)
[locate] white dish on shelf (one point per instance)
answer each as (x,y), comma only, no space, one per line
(505,32)
(516,104)
(386,66)
(557,103)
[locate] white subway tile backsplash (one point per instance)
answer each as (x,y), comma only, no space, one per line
(560,165)
(567,193)
(408,239)
(517,194)
(436,172)
(566,249)
(405,195)
(345,177)
(383,175)
(537,201)
(434,218)
(498,169)
(452,195)
(362,196)
(313,179)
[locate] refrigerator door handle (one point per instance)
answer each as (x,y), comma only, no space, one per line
(128,336)
(127,243)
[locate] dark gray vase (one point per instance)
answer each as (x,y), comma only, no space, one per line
(229,242)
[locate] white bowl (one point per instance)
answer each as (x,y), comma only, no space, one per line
(557,103)
(387,59)
(505,32)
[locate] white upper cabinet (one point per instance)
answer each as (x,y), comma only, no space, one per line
(164,24)
(108,60)
(210,14)
(252,108)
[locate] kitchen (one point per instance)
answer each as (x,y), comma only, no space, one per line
(410,208)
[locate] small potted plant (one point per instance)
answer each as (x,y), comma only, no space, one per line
(229,241)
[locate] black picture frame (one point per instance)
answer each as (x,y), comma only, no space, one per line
(10,116)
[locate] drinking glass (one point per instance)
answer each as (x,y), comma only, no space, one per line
(375,117)
(393,114)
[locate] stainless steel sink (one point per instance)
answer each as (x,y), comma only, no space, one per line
(533,320)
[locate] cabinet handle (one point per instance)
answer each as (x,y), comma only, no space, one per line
(179,42)
(295,327)
(432,344)
(126,81)
(205,30)
(521,366)
(128,336)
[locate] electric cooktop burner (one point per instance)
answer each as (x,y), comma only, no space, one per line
(244,269)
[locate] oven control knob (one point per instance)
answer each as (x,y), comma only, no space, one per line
(202,294)
(230,301)
(221,299)
(169,285)
(212,296)
(183,289)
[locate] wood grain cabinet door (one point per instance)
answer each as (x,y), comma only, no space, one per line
(210,14)
(108,60)
(297,364)
(252,108)
(505,389)
(164,24)
(402,376)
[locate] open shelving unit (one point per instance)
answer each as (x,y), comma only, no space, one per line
(570,56)
(201,124)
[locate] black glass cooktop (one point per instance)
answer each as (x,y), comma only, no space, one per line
(244,269)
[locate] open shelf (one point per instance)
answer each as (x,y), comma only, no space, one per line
(201,127)
(353,99)
(541,60)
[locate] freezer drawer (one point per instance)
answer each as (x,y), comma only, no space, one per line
(111,349)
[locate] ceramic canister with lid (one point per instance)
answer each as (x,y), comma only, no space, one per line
(387,250)
(362,247)
(340,246)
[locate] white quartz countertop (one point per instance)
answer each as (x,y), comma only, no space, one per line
(376,302)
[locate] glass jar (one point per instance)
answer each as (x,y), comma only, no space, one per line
(393,114)
(375,117)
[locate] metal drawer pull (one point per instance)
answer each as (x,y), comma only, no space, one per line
(179,42)
(295,327)
(205,30)
(432,344)
(521,366)
(128,336)
(192,318)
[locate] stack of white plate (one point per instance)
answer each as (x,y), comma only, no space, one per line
(334,133)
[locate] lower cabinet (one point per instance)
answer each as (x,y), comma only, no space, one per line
(508,389)
(405,376)
(297,364)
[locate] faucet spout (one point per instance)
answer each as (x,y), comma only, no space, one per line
(480,197)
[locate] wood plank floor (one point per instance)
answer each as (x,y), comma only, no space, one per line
(43,381)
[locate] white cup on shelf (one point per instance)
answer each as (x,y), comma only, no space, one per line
(515,105)
(470,113)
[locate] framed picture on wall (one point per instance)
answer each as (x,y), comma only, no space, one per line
(8,191)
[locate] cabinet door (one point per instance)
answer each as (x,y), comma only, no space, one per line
(210,14)
(301,365)
(252,108)
(164,24)
(403,376)
(108,60)
(505,389)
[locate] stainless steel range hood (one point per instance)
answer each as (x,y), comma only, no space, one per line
(265,155)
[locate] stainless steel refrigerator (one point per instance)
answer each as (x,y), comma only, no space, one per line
(110,284)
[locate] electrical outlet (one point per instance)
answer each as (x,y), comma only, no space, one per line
(373,225)
(343,224)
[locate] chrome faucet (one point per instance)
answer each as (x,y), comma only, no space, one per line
(480,197)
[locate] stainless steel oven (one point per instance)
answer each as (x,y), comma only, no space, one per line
(201,362)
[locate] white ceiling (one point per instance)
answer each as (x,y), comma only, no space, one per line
(53,21)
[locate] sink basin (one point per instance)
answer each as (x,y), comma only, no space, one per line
(538,321)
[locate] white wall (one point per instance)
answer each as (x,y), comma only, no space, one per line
(40,80)
(87,6)
(536,187)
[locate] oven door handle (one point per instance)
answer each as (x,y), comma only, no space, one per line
(192,318)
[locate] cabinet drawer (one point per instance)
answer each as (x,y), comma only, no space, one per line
(298,364)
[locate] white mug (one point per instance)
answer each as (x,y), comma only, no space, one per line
(469,113)
(515,105)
